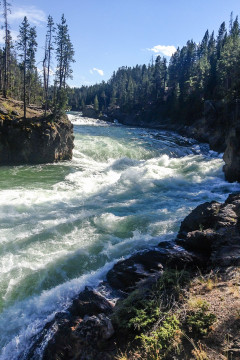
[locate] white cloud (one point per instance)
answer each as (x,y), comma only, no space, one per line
(34,15)
(14,35)
(100,72)
(166,50)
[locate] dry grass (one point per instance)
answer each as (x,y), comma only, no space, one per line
(15,105)
(221,293)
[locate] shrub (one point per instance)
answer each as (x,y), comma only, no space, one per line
(163,339)
(199,319)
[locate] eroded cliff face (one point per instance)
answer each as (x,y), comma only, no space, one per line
(35,141)
(232,155)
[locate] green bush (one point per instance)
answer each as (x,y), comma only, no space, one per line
(199,318)
(163,339)
(137,312)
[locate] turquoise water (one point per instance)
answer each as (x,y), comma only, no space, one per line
(63,226)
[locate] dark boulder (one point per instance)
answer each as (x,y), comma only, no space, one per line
(126,274)
(35,141)
(81,332)
(81,339)
(213,230)
(232,155)
(202,217)
(91,303)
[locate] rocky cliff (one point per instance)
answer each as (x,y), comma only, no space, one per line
(232,155)
(35,141)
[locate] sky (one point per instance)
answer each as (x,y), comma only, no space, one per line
(108,34)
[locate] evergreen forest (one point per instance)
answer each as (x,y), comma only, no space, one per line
(21,78)
(209,70)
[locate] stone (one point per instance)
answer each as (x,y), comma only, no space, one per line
(202,217)
(218,240)
(231,155)
(36,142)
(91,303)
(16,113)
(3,110)
(126,274)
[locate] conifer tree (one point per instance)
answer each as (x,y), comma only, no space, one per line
(64,56)
(31,60)
(22,45)
(7,41)
(47,58)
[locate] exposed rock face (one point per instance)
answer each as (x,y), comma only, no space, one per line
(89,111)
(80,333)
(126,274)
(213,229)
(232,155)
(33,141)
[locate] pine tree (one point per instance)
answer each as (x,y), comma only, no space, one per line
(31,60)
(22,45)
(64,56)
(47,58)
(7,40)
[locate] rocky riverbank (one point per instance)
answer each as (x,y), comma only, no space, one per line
(177,301)
(34,140)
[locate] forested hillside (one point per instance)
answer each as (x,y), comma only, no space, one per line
(21,78)
(195,73)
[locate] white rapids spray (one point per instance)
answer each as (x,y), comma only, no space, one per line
(63,226)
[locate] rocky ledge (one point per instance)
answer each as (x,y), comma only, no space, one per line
(208,240)
(35,140)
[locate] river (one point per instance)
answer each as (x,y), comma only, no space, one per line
(64,225)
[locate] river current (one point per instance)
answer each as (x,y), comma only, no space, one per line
(64,225)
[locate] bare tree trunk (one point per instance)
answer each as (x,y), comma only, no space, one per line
(5,82)
(24,84)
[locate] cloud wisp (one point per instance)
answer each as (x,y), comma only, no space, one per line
(166,50)
(99,71)
(35,16)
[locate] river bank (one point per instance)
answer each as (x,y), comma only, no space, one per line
(179,300)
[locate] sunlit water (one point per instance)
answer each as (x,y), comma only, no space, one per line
(63,226)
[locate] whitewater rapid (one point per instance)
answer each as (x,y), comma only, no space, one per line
(64,225)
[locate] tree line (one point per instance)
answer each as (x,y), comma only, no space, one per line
(19,76)
(195,73)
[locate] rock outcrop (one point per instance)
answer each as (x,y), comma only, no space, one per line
(35,141)
(213,230)
(232,155)
(80,333)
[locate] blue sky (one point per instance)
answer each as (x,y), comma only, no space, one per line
(107,34)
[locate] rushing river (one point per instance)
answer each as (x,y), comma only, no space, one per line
(63,226)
